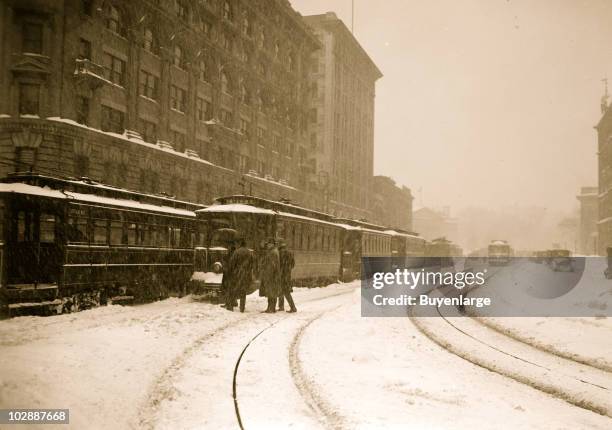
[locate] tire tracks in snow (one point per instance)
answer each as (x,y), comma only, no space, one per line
(327,415)
(163,388)
(575,390)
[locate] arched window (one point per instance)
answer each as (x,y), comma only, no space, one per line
(225,83)
(114,20)
(150,42)
(227,10)
(179,57)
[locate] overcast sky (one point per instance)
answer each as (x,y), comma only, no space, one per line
(485,102)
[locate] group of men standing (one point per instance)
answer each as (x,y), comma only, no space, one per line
(275,276)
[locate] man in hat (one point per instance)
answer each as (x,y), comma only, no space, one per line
(241,265)
(286,266)
(270,275)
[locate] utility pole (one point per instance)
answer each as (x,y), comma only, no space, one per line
(352,16)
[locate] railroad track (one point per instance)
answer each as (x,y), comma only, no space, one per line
(314,402)
(577,383)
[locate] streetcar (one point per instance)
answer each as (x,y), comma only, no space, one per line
(312,236)
(499,253)
(69,244)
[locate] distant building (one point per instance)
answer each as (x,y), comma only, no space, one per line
(392,204)
(342,94)
(432,224)
(604,164)
(587,229)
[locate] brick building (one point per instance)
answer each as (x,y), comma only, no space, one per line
(192,98)
(343,89)
(392,204)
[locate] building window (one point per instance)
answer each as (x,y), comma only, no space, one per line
(203,71)
(261,132)
(178,141)
(245,97)
(114,69)
(178,98)
(87,7)
(246,26)
(81,165)
(150,43)
(181,10)
(84,49)
(114,20)
(149,85)
(82,110)
(29,99)
(205,27)
(112,120)
(227,10)
(275,143)
(148,130)
(225,83)
(244,126)
(179,57)
(226,117)
(262,69)
(32,37)
(290,63)
(276,50)
(203,109)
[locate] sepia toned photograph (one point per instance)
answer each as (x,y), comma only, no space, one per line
(305,214)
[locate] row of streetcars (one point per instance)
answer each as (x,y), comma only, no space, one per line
(67,244)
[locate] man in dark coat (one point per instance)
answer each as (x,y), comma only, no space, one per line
(270,275)
(226,281)
(240,268)
(287,262)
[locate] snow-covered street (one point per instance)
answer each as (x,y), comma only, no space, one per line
(184,364)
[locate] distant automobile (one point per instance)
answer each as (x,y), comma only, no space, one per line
(560,260)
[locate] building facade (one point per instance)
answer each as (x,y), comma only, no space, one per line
(194,99)
(587,228)
(391,204)
(432,224)
(604,166)
(342,112)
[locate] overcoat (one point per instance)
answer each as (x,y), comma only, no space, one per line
(241,265)
(287,262)
(270,274)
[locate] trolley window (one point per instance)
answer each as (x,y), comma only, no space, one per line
(100,231)
(47,228)
(116,232)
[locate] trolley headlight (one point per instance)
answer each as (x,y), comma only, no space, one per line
(217,267)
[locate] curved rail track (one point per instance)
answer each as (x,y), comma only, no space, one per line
(580,384)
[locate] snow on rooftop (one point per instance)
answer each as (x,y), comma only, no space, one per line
(132,139)
(237,207)
(31,190)
(91,198)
